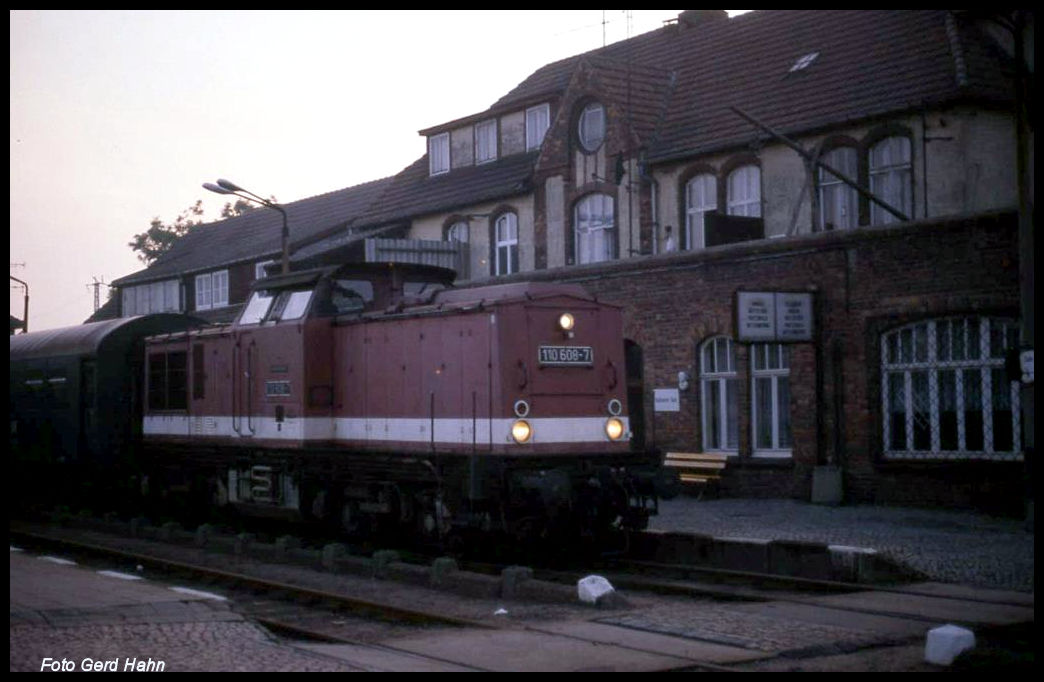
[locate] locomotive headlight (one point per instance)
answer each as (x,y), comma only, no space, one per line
(566,322)
(521,431)
(614,428)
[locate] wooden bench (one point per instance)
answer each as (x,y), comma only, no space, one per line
(697,468)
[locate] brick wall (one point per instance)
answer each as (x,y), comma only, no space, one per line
(864,282)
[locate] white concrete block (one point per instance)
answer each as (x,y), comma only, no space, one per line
(946,642)
(592,588)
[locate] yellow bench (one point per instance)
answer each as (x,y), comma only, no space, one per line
(698,468)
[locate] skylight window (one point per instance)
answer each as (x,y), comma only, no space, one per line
(804,61)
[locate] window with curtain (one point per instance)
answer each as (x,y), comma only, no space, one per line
(701,197)
(770,399)
(719,395)
(505,244)
(595,228)
(891,178)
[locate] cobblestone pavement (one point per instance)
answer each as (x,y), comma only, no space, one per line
(947,546)
(184,647)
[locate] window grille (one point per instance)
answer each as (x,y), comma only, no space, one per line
(945,391)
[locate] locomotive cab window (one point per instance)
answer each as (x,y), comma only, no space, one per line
(348,296)
(275,306)
(291,305)
(257,307)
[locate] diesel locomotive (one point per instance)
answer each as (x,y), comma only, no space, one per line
(377,398)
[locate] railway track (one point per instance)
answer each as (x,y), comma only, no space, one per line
(243,584)
(669,601)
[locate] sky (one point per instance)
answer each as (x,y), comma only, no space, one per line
(118,117)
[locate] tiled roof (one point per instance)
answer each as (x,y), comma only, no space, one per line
(257,233)
(869,63)
(678,86)
(414,192)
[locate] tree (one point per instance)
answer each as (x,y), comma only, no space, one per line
(158,239)
(241,206)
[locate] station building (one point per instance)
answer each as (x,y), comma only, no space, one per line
(810,219)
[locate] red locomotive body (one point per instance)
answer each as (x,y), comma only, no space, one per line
(379,398)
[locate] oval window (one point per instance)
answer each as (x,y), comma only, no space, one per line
(592,126)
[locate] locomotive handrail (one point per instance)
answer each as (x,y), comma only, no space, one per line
(523,374)
(236,423)
(611,379)
(251,351)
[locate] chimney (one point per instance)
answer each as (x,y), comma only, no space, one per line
(696,17)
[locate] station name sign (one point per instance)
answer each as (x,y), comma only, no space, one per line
(773,316)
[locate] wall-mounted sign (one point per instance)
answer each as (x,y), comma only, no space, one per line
(767,316)
(666,400)
(274,389)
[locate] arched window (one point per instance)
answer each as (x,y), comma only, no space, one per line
(770,399)
(701,197)
(891,178)
(744,191)
(505,244)
(946,393)
(591,126)
(595,226)
(458,232)
(719,393)
(838,201)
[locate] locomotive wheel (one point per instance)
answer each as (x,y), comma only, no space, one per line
(355,522)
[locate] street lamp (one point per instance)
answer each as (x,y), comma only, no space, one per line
(228,187)
(25,322)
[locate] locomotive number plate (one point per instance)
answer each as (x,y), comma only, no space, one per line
(573,356)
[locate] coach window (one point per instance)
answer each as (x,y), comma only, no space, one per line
(946,393)
(719,393)
(168,381)
(595,228)
(770,404)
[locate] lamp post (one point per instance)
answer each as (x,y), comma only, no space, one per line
(25,322)
(228,187)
